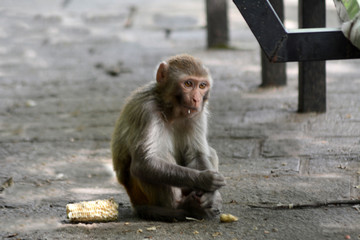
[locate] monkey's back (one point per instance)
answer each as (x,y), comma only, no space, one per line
(129,128)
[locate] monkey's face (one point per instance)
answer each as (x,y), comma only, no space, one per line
(194,93)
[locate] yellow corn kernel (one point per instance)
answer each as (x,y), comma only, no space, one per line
(226,218)
(93,211)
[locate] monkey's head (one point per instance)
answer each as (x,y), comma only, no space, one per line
(185,84)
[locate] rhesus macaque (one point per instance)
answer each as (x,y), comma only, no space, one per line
(159,146)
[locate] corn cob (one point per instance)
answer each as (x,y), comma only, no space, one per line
(93,211)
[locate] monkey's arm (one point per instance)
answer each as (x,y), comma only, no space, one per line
(202,159)
(210,200)
(201,162)
(154,170)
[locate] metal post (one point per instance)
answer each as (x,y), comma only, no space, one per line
(312,75)
(273,74)
(217,23)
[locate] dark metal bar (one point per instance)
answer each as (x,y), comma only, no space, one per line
(316,44)
(264,24)
(273,74)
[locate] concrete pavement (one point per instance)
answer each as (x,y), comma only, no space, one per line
(66,68)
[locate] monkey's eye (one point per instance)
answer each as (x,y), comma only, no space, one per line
(202,85)
(188,84)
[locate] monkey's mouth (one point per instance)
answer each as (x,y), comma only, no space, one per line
(190,110)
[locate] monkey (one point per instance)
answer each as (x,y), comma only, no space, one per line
(159,146)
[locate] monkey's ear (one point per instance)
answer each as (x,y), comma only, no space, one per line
(161,73)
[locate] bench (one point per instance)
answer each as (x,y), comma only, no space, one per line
(310,46)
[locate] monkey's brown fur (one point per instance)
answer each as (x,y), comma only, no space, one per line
(159,146)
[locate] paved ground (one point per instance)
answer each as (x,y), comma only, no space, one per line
(65,70)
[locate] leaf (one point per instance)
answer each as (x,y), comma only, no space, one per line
(216,234)
(151,228)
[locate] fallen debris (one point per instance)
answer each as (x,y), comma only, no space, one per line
(30,103)
(216,234)
(8,183)
(151,228)
(305,205)
(357,207)
(113,70)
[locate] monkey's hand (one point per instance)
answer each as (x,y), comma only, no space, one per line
(210,181)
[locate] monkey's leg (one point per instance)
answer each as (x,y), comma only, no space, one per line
(211,201)
(158,202)
(168,204)
(156,213)
(192,204)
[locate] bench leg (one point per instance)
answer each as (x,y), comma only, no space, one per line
(217,24)
(312,75)
(312,86)
(273,74)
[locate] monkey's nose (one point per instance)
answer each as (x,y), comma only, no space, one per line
(196,99)
(196,103)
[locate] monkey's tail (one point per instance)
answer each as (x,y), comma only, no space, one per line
(163,214)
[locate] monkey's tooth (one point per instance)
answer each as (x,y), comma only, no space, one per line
(189,111)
